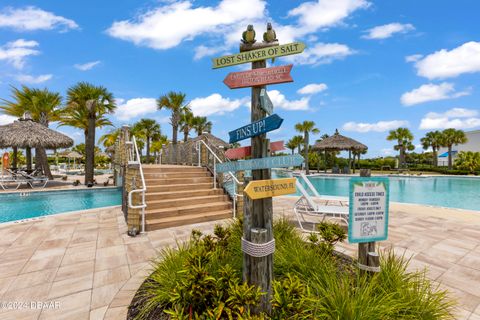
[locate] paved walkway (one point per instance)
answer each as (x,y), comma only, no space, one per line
(84,266)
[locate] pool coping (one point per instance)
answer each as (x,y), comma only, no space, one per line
(57,190)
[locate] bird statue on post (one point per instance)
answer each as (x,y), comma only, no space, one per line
(248,36)
(269,35)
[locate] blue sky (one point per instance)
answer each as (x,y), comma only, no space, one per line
(369,66)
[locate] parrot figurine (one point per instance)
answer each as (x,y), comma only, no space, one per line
(248,36)
(269,35)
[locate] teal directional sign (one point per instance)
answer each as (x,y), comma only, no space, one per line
(265,102)
(256,128)
(261,163)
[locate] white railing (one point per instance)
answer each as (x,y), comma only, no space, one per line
(135,159)
(215,160)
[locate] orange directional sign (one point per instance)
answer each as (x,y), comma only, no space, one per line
(260,189)
(259,77)
(242,152)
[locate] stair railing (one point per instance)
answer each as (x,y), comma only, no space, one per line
(134,158)
(216,159)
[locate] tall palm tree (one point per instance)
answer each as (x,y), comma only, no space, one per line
(87,107)
(201,124)
(404,138)
(295,142)
(157,144)
(148,128)
(432,139)
(176,103)
(109,139)
(187,121)
(452,137)
(43,106)
(306,127)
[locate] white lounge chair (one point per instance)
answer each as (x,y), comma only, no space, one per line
(34,181)
(306,206)
(7,182)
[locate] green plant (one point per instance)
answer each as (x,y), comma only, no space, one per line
(330,234)
(291,299)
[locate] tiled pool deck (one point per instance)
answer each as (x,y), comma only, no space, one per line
(87,265)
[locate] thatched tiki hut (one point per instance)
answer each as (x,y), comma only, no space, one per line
(27,134)
(337,142)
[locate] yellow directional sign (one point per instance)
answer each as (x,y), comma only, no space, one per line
(260,189)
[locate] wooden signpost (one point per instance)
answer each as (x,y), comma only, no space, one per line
(260,189)
(242,152)
(261,163)
(259,77)
(261,54)
(258,244)
(256,128)
(265,102)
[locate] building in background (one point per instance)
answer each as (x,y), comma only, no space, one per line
(473,144)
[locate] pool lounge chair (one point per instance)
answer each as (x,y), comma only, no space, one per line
(306,206)
(33,181)
(10,182)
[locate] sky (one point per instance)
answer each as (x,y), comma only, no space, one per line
(369,66)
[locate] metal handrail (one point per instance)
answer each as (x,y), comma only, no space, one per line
(143,205)
(216,158)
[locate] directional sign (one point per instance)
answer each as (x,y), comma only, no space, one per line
(256,128)
(260,189)
(259,54)
(258,77)
(243,152)
(265,102)
(261,163)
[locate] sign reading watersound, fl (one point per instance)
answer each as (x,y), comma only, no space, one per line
(369,203)
(256,128)
(261,163)
(259,189)
(259,54)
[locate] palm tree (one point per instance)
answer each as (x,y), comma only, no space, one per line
(201,124)
(87,107)
(432,139)
(306,127)
(148,128)
(404,142)
(452,137)
(110,138)
(187,122)
(157,144)
(468,160)
(294,143)
(175,102)
(43,106)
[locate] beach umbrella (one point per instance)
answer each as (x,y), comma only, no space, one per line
(27,134)
(338,142)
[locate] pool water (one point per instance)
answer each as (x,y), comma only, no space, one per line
(451,192)
(24,205)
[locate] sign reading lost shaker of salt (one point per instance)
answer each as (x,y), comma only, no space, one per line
(368,218)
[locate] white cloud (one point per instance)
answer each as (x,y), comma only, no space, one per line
(387,30)
(446,64)
(6,119)
(380,126)
(280,101)
(431,92)
(387,151)
(26,78)
(133,108)
(413,57)
(312,88)
(87,66)
(215,104)
(458,118)
(17,51)
(204,51)
(32,18)
(322,53)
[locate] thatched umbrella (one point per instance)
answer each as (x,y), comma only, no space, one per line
(337,142)
(26,133)
(217,142)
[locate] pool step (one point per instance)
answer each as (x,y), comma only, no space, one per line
(182,195)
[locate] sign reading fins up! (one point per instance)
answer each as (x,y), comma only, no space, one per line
(256,128)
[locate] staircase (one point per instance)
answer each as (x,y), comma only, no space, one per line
(182,195)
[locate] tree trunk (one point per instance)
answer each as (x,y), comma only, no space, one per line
(90,151)
(307,171)
(37,159)
(42,155)
(450,157)
(148,150)
(28,156)
(15,158)
(293,151)
(402,156)
(185,135)
(435,156)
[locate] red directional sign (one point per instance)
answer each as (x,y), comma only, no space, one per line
(242,152)
(259,77)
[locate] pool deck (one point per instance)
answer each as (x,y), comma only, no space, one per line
(90,269)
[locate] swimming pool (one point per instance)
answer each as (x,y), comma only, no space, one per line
(451,192)
(24,205)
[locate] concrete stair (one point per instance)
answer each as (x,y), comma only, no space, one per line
(181,195)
